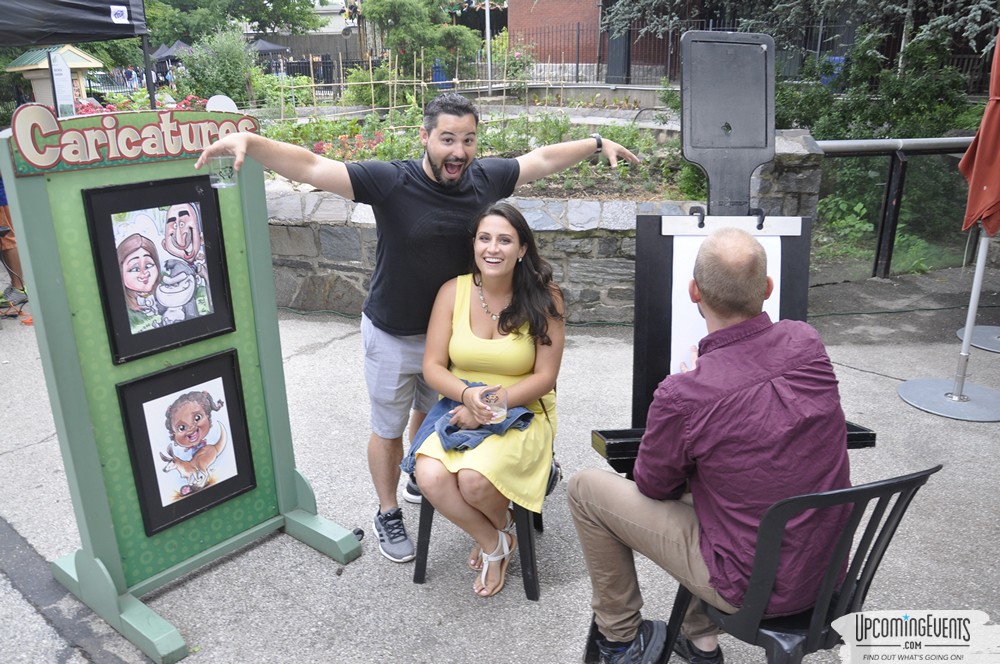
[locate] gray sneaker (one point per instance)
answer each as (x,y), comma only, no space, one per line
(411,493)
(393,543)
(15,296)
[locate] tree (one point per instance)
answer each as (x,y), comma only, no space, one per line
(418,29)
(116,52)
(192,20)
(186,20)
(970,22)
(269,16)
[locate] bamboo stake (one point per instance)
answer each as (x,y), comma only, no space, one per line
(312,81)
(281,91)
(371,79)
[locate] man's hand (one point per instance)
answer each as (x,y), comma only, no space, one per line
(616,151)
(233,144)
(694,361)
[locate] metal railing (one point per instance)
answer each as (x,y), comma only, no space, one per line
(899,151)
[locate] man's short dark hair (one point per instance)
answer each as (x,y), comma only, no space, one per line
(448,103)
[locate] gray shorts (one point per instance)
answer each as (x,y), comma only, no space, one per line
(394,375)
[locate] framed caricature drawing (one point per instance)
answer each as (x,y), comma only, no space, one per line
(160,264)
(187,438)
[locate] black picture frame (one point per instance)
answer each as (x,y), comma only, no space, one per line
(171,418)
(174,226)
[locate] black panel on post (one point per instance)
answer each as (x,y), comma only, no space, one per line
(651,333)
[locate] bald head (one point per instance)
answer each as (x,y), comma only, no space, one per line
(731,273)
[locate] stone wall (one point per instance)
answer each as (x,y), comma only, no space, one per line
(323,246)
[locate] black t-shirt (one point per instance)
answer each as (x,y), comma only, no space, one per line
(424,233)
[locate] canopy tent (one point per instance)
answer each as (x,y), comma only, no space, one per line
(160,50)
(37,22)
(175,51)
(264,47)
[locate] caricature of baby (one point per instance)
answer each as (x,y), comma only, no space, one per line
(196,443)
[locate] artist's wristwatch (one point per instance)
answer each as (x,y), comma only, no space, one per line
(600,143)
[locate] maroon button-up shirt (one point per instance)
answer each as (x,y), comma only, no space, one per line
(757,421)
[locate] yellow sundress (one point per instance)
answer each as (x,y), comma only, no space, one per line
(518,462)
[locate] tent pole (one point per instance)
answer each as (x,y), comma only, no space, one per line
(150,77)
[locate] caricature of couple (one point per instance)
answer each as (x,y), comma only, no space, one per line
(159,294)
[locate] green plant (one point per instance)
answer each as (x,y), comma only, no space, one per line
(669,96)
(369,87)
(515,62)
(692,182)
(271,91)
(508,138)
(911,253)
(843,229)
(219,64)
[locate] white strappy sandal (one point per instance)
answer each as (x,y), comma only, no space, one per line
(502,555)
(475,560)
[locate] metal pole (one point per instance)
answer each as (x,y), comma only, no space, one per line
(957,393)
(819,39)
(150,84)
(489,56)
(964,401)
(889,219)
(577,52)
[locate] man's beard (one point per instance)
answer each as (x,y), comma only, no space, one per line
(438,170)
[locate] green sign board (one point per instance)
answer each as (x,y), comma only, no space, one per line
(155,312)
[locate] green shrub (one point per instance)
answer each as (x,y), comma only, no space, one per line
(271,91)
(692,183)
(515,63)
(360,90)
(220,64)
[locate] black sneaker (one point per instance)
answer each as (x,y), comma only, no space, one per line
(411,493)
(687,651)
(393,542)
(646,647)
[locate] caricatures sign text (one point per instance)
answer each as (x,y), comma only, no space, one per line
(44,143)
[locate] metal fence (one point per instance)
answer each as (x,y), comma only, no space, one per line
(584,53)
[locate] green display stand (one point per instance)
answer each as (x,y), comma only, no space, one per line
(51,168)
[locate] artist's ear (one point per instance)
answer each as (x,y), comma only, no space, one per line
(770,288)
(424,135)
(693,292)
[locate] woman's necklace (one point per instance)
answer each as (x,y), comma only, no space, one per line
(482,301)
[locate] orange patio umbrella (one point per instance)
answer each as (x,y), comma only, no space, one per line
(981,163)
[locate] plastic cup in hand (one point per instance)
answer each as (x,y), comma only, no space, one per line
(498,405)
(221,172)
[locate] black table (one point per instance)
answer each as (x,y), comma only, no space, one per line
(620,446)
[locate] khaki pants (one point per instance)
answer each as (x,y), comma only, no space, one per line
(614,520)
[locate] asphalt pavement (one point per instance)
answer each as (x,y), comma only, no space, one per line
(278,600)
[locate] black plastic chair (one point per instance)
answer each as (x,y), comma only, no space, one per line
(526,523)
(789,638)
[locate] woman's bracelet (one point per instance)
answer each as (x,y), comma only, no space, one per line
(462,398)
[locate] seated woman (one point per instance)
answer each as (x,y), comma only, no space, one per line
(501,330)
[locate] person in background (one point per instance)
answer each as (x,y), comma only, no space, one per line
(423,208)
(15,295)
(716,454)
(497,333)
